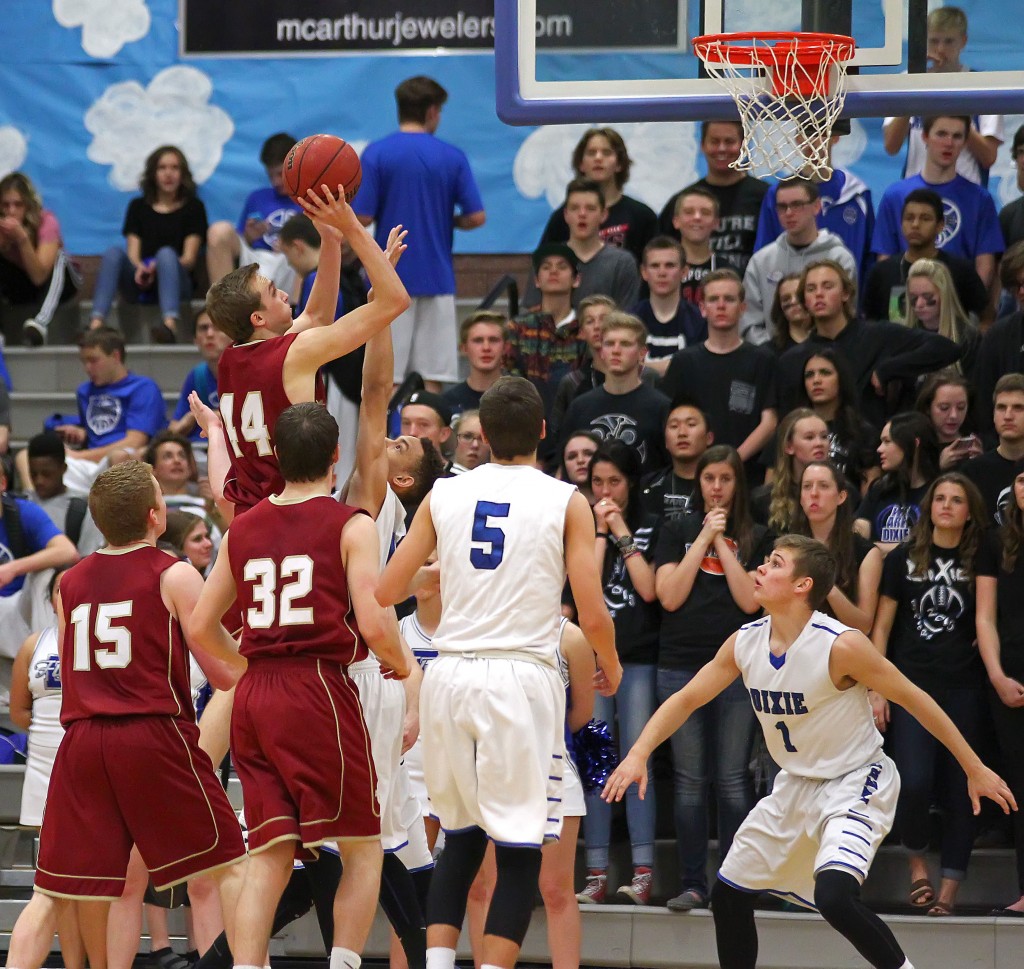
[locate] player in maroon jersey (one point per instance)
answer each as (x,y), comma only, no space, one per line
(275,360)
(123,614)
(303,567)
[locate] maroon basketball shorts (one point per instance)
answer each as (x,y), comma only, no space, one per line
(303,756)
(123,780)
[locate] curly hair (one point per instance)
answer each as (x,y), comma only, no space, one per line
(973,535)
(785,497)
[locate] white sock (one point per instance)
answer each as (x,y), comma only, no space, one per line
(484,965)
(247,967)
(439,957)
(906,965)
(344,958)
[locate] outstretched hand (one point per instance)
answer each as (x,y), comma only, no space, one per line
(396,244)
(631,770)
(983,782)
(206,417)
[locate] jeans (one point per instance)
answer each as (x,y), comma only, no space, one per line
(714,743)
(117,274)
(926,766)
(634,704)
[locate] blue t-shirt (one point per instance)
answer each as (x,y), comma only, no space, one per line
(307,288)
(846,210)
(5,375)
(419,181)
(200,379)
(971,229)
(37,530)
(273,209)
(107,413)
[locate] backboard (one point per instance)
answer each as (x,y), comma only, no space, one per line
(564,61)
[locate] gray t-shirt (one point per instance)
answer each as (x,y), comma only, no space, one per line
(90,538)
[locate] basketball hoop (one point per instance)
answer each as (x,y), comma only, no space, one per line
(789,89)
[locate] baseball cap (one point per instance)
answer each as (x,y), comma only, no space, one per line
(435,402)
(555,249)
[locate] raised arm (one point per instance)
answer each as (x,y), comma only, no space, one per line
(218,460)
(412,552)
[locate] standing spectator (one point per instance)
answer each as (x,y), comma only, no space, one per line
(623,407)
(926,626)
(254,237)
(202,378)
(739,195)
(34,269)
(932,305)
(1011,215)
(945,399)
(672,322)
(1002,346)
(695,218)
(601,156)
(730,380)
(800,243)
(470,448)
(626,538)
(922,222)
(190,535)
(163,230)
(704,579)
(482,339)
(909,462)
(576,455)
(971,227)
(829,391)
(415,178)
(789,321)
(1000,630)
(802,438)
(994,471)
(668,492)
(947,37)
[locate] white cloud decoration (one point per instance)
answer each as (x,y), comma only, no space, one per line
(129,121)
(13,149)
(664,158)
(107,25)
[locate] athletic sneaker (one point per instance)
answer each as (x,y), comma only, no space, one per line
(689,899)
(595,890)
(33,334)
(638,891)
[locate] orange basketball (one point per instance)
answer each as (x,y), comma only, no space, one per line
(322,160)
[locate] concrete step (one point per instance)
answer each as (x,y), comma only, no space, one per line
(60,369)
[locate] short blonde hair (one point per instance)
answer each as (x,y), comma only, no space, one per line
(952,19)
(120,501)
(617,320)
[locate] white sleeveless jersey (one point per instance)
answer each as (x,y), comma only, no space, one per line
(419,642)
(44,685)
(811,728)
(500,543)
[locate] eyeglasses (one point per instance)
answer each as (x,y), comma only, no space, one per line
(466,438)
(792,206)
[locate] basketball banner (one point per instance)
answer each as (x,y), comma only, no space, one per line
(301,28)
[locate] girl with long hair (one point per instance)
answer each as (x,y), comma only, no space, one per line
(926,625)
(190,535)
(933,305)
(945,399)
(802,438)
(790,321)
(164,229)
(704,580)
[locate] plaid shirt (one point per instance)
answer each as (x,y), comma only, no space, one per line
(544,352)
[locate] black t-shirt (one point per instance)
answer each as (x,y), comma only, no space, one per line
(630,225)
(739,208)
(890,518)
(158,229)
(636,418)
(664,494)
(462,397)
(853,453)
(694,273)
(885,289)
(993,474)
(685,329)
(1011,221)
(761,503)
(932,638)
(636,621)
(692,634)
(1009,603)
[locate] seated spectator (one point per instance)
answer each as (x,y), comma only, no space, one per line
(922,222)
(254,237)
(68,510)
(164,229)
(846,211)
(190,535)
(544,343)
(602,268)
(300,242)
(1011,215)
(672,322)
(790,322)
(695,218)
(1002,346)
(825,512)
(739,195)
(34,269)
(174,467)
(800,243)
(802,438)
(471,449)
(118,411)
(202,378)
(995,471)
(601,156)
(926,626)
(730,380)
(668,492)
(910,462)
(945,400)
(829,391)
(482,339)
(971,228)
(875,353)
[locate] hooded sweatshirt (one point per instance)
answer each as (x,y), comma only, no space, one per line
(770,264)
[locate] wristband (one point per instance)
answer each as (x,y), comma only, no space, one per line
(602,534)
(624,542)
(628,553)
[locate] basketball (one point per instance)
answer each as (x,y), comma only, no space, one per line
(322,160)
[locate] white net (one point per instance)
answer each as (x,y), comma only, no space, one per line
(789,92)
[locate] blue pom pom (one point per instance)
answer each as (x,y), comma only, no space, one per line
(595,754)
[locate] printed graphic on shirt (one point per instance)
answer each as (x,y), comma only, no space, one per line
(619,593)
(894,522)
(742,397)
(711,563)
(951,223)
(939,607)
(49,670)
(621,427)
(103,413)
